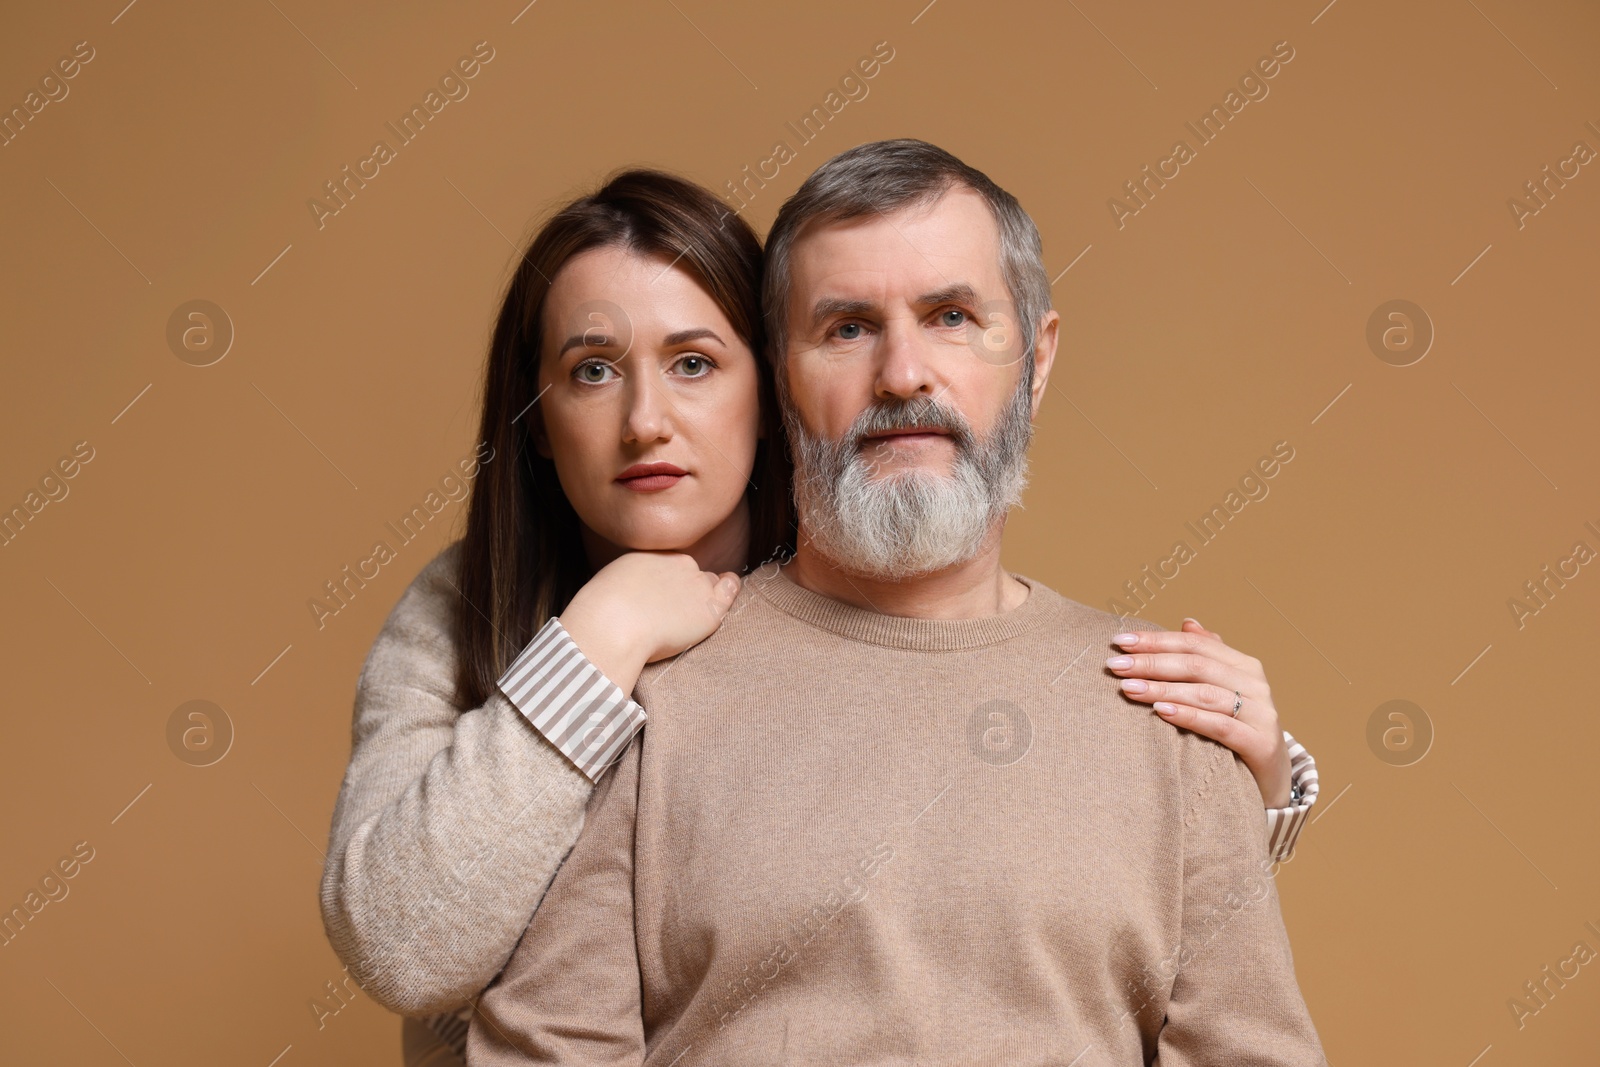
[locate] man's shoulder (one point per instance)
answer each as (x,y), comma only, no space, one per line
(1078,637)
(747,635)
(1073,617)
(1200,757)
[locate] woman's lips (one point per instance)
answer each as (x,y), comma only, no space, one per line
(651,483)
(651,477)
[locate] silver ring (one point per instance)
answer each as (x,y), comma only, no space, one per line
(1238,703)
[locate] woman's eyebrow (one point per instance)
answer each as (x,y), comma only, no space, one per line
(693,334)
(588,339)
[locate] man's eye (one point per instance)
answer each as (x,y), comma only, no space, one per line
(849,331)
(592,373)
(694,366)
(953,317)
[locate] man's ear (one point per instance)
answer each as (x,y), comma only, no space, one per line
(1044,355)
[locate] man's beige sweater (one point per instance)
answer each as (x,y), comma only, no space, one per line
(852,838)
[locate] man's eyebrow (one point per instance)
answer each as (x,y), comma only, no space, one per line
(830,306)
(958,293)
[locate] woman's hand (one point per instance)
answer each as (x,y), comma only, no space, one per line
(1192,677)
(645,606)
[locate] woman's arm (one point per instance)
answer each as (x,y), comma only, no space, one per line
(450,823)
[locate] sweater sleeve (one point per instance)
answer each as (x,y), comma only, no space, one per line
(571,993)
(449,822)
(1234,998)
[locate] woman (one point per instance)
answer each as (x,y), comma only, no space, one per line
(630,328)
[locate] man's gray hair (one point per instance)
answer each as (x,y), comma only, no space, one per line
(883,176)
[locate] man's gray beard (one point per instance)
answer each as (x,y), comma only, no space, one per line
(909,522)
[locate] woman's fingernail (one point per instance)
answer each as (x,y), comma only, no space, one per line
(1118,663)
(1134,685)
(1125,639)
(1187,618)
(1164,708)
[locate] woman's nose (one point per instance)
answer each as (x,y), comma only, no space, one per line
(646,418)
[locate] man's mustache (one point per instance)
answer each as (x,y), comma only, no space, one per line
(917,413)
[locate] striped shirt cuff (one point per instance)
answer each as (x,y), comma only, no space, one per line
(451,1028)
(570,701)
(1284,824)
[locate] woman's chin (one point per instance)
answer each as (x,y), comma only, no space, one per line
(658,540)
(680,529)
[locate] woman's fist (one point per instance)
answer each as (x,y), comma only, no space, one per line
(645,606)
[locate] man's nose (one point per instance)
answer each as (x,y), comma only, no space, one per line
(904,362)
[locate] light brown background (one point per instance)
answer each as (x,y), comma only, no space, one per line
(1228,315)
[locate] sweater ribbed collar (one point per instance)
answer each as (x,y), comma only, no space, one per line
(898,631)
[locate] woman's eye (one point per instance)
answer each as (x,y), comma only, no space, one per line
(953,317)
(849,331)
(592,373)
(694,366)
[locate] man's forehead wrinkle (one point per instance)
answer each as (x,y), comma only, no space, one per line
(909,242)
(845,237)
(878,291)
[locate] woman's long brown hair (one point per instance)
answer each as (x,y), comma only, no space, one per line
(522,559)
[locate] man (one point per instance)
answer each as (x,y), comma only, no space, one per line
(888,813)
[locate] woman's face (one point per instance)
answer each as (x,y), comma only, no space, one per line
(650,408)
